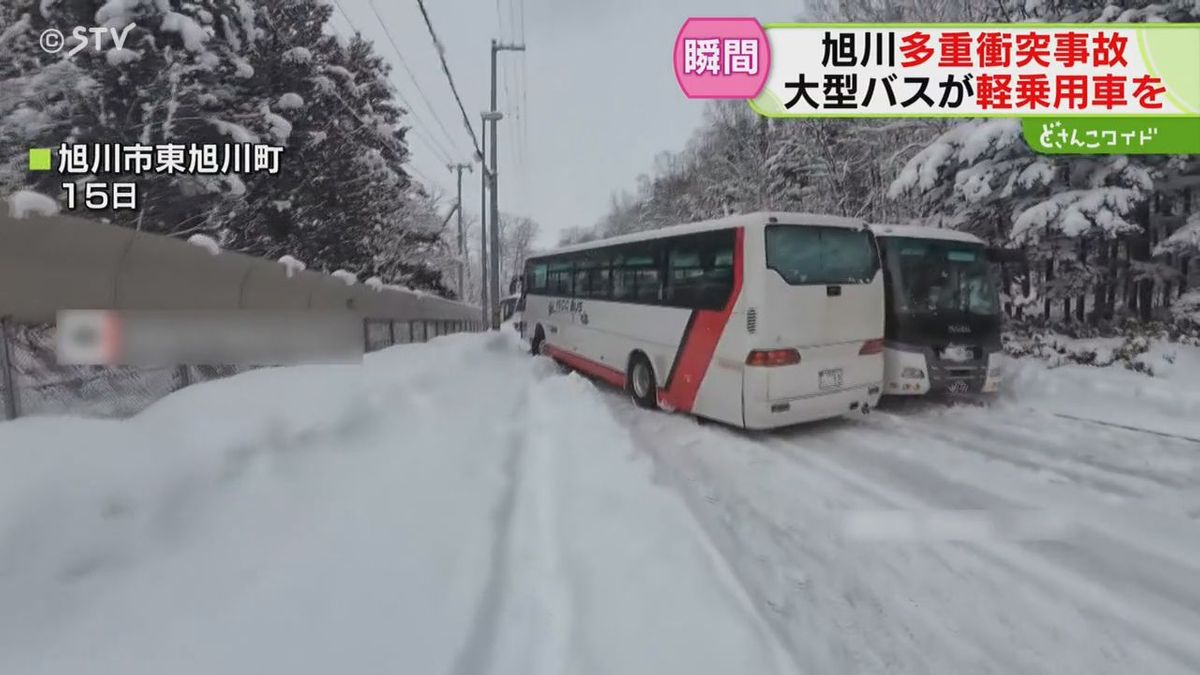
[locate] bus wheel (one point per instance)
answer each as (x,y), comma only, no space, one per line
(641,386)
(535,345)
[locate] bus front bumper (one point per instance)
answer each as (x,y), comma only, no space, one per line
(785,412)
(911,372)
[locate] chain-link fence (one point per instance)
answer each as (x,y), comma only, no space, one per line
(33,383)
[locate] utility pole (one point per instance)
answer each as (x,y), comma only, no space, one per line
(486,317)
(462,241)
(495,116)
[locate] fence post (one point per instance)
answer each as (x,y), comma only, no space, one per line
(6,375)
(366,324)
(185,376)
(391,332)
(412,332)
(424,330)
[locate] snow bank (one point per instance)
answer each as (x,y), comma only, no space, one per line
(1169,401)
(349,277)
(448,507)
(26,203)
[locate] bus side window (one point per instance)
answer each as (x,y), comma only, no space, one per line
(582,283)
(624,283)
(600,286)
(559,277)
(535,279)
(701,270)
(649,284)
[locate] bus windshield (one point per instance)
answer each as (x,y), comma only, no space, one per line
(821,255)
(931,276)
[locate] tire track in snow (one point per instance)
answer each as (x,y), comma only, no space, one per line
(1179,463)
(540,615)
(524,622)
(842,626)
(477,650)
(1175,641)
(1123,550)
(676,481)
(1165,535)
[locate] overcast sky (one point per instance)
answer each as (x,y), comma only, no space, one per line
(587,106)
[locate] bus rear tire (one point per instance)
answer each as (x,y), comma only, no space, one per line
(640,382)
(535,345)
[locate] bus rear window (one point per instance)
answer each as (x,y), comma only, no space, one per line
(821,255)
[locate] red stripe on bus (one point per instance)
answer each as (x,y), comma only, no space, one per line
(597,370)
(700,343)
(110,340)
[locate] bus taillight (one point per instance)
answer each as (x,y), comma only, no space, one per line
(874,346)
(773,357)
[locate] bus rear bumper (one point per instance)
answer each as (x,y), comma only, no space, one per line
(786,412)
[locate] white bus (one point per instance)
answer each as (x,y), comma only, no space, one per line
(942,333)
(757,321)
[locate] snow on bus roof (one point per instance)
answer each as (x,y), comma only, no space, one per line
(922,232)
(757,218)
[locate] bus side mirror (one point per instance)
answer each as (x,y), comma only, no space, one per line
(518,281)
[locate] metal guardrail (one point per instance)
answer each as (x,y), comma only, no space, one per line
(33,383)
(48,263)
(51,263)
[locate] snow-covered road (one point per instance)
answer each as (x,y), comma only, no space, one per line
(459,508)
(933,540)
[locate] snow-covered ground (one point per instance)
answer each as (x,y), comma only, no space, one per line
(934,539)
(452,507)
(458,507)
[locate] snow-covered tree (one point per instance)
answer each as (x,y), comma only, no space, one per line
(226,71)
(517,237)
(1088,223)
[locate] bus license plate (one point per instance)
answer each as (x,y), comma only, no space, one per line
(830,379)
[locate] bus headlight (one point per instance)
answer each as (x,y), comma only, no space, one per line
(912,374)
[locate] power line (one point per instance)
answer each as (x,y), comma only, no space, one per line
(417,132)
(362,124)
(505,76)
(430,142)
(437,150)
(412,76)
(441,50)
(523,88)
(509,79)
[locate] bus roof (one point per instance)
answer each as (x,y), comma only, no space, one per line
(740,220)
(920,232)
